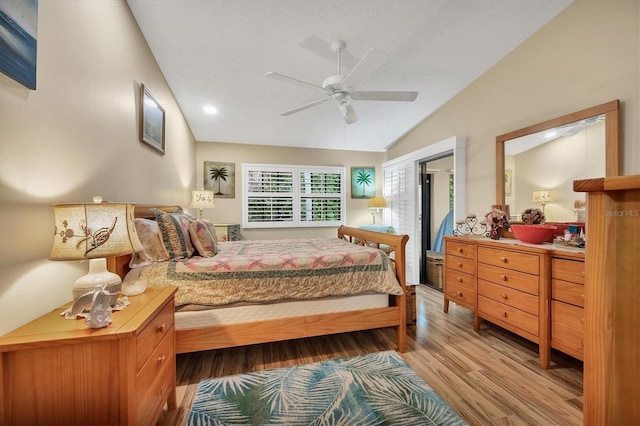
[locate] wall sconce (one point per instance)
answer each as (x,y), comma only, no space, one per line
(202,199)
(376,203)
(94,231)
(542,197)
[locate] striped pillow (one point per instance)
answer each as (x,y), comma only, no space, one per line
(174,228)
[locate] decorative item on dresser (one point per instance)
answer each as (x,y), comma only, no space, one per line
(612,298)
(510,285)
(57,371)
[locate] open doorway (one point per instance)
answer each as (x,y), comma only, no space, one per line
(436,189)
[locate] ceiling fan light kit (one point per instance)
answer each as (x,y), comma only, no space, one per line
(341,88)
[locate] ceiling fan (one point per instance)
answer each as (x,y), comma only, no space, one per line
(341,88)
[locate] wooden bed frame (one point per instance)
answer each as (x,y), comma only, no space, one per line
(216,337)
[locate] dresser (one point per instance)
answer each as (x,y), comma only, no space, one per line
(612,301)
(509,283)
(59,371)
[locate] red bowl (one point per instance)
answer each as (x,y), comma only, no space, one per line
(533,234)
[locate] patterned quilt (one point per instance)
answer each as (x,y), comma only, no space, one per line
(259,271)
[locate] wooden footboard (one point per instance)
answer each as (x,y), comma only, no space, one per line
(216,337)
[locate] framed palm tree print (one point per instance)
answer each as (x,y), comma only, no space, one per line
(220,178)
(363,182)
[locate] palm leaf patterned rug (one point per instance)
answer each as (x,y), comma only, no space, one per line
(373,389)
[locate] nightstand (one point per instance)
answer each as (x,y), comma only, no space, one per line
(227,231)
(59,371)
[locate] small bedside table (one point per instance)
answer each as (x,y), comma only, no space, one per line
(59,371)
(227,231)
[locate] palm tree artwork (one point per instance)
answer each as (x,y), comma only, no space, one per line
(218,174)
(361,180)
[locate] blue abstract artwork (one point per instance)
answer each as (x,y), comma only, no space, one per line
(18,40)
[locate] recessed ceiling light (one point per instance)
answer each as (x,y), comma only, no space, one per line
(210,109)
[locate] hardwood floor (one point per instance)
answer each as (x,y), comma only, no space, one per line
(489,378)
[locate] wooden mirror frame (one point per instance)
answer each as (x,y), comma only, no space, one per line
(613,140)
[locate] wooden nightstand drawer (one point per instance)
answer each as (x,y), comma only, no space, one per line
(567,292)
(567,270)
(153,333)
(460,249)
(509,278)
(461,294)
(462,264)
(518,299)
(151,384)
(569,315)
(516,261)
(509,315)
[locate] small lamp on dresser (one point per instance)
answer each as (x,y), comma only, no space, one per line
(543,197)
(202,199)
(94,231)
(376,203)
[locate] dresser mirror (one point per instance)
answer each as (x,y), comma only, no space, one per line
(539,163)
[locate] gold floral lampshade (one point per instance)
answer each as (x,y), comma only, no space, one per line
(202,199)
(542,197)
(376,203)
(94,231)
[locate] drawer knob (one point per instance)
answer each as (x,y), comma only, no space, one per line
(161,328)
(582,320)
(503,277)
(459,293)
(582,295)
(161,360)
(503,259)
(504,314)
(460,250)
(459,265)
(504,296)
(459,279)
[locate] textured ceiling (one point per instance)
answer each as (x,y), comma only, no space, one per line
(216,52)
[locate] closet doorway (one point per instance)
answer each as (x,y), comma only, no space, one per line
(436,190)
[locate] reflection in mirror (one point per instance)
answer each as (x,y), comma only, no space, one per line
(540,169)
(540,162)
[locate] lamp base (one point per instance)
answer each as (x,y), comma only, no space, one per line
(98,275)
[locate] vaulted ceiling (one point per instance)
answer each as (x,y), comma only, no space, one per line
(216,52)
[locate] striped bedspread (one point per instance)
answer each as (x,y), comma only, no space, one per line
(260,271)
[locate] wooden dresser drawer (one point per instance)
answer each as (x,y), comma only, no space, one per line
(153,333)
(567,270)
(461,294)
(568,292)
(523,262)
(461,249)
(466,281)
(152,385)
(462,264)
(518,299)
(507,277)
(569,315)
(505,313)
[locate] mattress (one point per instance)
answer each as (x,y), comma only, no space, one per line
(226,315)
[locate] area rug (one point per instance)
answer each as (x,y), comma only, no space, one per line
(373,389)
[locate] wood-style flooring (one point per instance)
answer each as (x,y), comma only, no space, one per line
(489,378)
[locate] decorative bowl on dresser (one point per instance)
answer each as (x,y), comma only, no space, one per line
(59,371)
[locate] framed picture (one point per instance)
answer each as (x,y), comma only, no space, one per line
(508,178)
(363,182)
(19,41)
(151,121)
(220,178)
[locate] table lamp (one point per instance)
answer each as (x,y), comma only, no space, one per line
(202,199)
(94,231)
(541,197)
(376,203)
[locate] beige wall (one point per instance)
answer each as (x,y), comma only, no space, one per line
(74,137)
(588,55)
(229,210)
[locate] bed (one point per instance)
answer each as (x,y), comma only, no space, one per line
(200,329)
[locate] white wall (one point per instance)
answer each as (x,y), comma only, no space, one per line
(76,136)
(587,55)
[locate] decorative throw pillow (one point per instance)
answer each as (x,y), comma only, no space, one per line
(202,239)
(153,249)
(174,228)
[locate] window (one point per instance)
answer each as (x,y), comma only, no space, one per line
(276,196)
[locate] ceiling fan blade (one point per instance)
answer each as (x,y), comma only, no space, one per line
(348,112)
(286,78)
(385,96)
(303,107)
(369,62)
